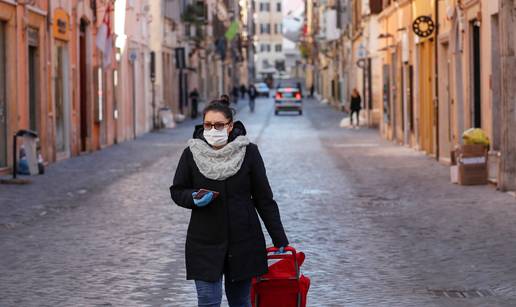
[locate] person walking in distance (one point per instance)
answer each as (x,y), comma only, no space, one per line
(235,94)
(194,97)
(221,178)
(252,92)
(243,90)
(355,107)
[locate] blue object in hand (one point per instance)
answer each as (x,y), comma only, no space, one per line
(281,250)
(203,201)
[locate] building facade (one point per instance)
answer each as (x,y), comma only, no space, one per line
(87,74)
(268,40)
(24,45)
(427,71)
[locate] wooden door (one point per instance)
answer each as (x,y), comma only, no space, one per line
(426,110)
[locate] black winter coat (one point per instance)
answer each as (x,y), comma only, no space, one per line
(226,236)
(356,103)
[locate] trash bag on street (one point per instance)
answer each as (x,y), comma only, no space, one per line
(23,163)
(475,136)
(344,122)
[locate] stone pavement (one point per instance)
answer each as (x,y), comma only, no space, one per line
(380,224)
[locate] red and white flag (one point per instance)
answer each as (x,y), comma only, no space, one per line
(104,39)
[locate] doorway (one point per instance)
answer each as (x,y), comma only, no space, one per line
(83,73)
(33,63)
(132,86)
(476,77)
(426,108)
(3,98)
(62,102)
(33,86)
(386,95)
(394,95)
(495,83)
(445,103)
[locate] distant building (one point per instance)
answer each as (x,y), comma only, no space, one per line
(268,40)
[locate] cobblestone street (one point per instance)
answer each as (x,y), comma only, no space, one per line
(380,224)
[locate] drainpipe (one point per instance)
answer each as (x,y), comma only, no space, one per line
(436,80)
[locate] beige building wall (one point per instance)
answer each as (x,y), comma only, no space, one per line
(271,18)
(134,47)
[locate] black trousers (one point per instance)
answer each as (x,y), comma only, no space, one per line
(194,108)
(357,112)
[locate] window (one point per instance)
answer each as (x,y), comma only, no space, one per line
(279,65)
(265,7)
(265,48)
(281,28)
(278,47)
(278,6)
(265,28)
(275,28)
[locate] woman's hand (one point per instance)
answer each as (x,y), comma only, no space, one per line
(203,201)
(281,250)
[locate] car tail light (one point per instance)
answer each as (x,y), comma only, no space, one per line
(298,95)
(278,95)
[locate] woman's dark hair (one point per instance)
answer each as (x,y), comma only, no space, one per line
(222,106)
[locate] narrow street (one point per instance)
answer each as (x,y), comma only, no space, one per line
(380,224)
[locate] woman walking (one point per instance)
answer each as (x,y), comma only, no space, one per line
(221,178)
(356,106)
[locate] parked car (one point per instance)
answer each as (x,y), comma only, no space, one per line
(262,89)
(288,97)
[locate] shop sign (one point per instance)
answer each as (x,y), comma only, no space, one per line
(61,24)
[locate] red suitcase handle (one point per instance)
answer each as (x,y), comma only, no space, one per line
(281,256)
(289,252)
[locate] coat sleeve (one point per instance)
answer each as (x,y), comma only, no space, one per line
(263,199)
(181,189)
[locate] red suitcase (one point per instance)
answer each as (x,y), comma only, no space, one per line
(283,285)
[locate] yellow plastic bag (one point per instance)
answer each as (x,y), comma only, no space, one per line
(475,136)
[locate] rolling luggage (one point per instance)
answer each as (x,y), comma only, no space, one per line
(283,285)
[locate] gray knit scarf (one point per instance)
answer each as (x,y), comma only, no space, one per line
(222,163)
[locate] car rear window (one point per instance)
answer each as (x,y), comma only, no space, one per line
(287,83)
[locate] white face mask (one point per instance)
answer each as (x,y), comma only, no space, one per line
(215,137)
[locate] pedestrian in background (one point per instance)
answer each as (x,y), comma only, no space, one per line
(235,94)
(300,88)
(312,89)
(194,97)
(243,90)
(253,93)
(355,107)
(221,177)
